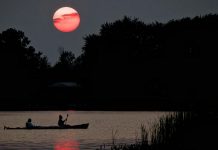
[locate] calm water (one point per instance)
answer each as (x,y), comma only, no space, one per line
(102,124)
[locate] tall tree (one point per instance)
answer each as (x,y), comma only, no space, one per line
(65,60)
(64,68)
(22,67)
(175,60)
(15,52)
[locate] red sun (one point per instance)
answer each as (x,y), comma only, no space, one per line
(66,19)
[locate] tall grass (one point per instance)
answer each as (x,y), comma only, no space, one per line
(170,130)
(178,131)
(114,135)
(162,133)
(144,135)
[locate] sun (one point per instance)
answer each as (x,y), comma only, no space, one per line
(66,19)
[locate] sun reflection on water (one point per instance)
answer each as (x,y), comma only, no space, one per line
(67,145)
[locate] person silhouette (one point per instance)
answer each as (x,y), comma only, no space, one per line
(61,122)
(29,123)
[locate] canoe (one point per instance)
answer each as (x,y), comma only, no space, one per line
(80,126)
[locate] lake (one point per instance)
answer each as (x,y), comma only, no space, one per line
(123,125)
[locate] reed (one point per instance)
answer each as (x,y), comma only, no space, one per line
(177,131)
(162,133)
(170,130)
(114,135)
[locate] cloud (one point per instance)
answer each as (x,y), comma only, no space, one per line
(70,15)
(65,16)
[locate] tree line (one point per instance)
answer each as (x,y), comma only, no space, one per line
(128,63)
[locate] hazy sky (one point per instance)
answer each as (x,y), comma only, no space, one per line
(34,18)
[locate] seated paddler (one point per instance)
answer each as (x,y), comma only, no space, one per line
(61,122)
(29,124)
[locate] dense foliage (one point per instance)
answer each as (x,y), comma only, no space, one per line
(22,67)
(174,61)
(171,64)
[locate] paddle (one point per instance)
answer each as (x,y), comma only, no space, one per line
(66,118)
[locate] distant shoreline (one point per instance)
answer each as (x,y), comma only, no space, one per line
(7,107)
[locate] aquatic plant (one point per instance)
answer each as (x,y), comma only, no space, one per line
(163,134)
(177,131)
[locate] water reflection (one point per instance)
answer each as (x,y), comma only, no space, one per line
(67,145)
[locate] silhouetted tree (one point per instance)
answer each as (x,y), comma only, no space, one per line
(65,61)
(63,70)
(23,69)
(15,50)
(115,60)
(173,63)
(131,59)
